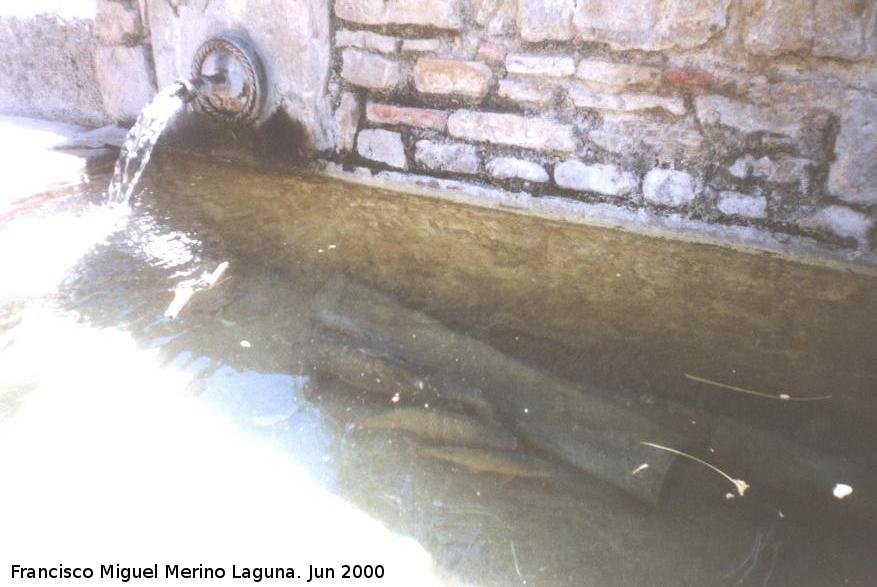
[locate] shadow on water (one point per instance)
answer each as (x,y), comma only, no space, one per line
(514,324)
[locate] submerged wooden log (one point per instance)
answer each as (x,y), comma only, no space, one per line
(378,374)
(590,432)
(497,462)
(443,427)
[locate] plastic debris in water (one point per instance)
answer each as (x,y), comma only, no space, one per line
(246,344)
(842,490)
(739,484)
(780,396)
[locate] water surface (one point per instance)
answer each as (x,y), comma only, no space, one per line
(617,317)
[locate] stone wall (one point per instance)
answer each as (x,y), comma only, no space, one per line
(758,113)
(47,65)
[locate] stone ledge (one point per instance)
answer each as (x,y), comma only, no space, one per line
(672,226)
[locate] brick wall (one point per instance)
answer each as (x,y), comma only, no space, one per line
(737,112)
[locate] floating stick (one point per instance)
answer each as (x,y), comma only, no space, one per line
(739,484)
(781,396)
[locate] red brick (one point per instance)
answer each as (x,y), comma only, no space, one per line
(689,77)
(419,117)
(490,52)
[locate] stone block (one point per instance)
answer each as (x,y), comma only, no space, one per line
(495,17)
(736,204)
(346,120)
(668,187)
(511,168)
(667,141)
(546,20)
(490,52)
(607,73)
(117,23)
(441,14)
(748,118)
(125,78)
(366,40)
(841,221)
(383,146)
(775,27)
(452,157)
(540,65)
(512,129)
(421,45)
(650,25)
(600,178)
(369,70)
(781,169)
(527,93)
(449,76)
(417,117)
(585,97)
(853,175)
(845,29)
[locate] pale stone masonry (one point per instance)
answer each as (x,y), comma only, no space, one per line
(752,112)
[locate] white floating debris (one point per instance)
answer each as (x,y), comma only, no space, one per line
(781,514)
(640,469)
(333,246)
(246,344)
(842,490)
(395,398)
(729,495)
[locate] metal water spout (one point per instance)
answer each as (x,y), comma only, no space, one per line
(228,80)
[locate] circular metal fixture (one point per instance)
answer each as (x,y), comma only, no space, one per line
(230,79)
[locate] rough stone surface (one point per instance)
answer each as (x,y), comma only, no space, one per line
(453,157)
(449,76)
(491,52)
(669,142)
(846,29)
(369,70)
(64,85)
(585,97)
(443,14)
(125,78)
(853,175)
(650,25)
(383,146)
(737,204)
(607,73)
(294,36)
(527,93)
(540,65)
(421,45)
(668,187)
(775,27)
(511,129)
(366,40)
(747,118)
(511,168)
(495,16)
(346,120)
(546,20)
(601,178)
(782,169)
(417,117)
(841,221)
(117,23)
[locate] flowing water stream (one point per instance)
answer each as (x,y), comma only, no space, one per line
(503,391)
(141,140)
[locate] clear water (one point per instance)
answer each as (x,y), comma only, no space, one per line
(617,317)
(141,140)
